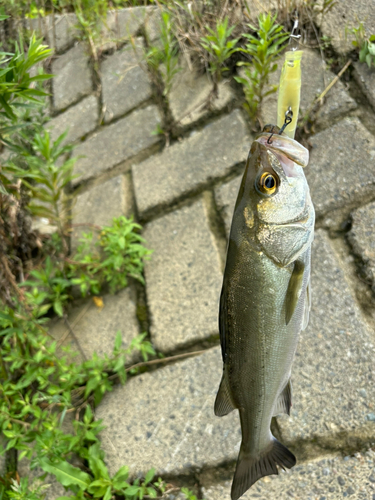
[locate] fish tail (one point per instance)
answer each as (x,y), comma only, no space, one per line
(249,468)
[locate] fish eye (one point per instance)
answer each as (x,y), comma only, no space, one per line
(267,183)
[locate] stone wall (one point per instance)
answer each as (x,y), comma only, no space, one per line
(184,195)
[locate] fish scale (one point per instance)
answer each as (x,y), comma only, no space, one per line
(264,301)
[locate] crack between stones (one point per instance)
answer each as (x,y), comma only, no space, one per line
(122,167)
(343,443)
(343,210)
(162,209)
(365,111)
(360,291)
(217,226)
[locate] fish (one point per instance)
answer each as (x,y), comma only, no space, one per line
(265,300)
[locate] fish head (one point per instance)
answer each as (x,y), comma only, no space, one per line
(274,197)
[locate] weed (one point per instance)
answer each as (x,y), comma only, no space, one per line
(45,179)
(16,82)
(119,254)
(365,44)
(263,51)
(188,494)
(34,383)
(219,47)
(164,56)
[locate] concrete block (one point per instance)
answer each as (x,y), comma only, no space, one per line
(183,278)
(116,143)
(202,157)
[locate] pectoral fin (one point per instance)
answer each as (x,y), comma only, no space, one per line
(294,290)
(284,401)
(223,402)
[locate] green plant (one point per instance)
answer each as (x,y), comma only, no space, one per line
(44,177)
(35,382)
(263,51)
(20,97)
(16,82)
(219,47)
(91,14)
(22,491)
(164,57)
(120,254)
(188,494)
(365,44)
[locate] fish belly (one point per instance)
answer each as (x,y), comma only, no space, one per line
(260,346)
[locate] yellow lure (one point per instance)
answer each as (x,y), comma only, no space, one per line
(290,91)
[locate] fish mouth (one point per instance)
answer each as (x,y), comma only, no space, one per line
(285,146)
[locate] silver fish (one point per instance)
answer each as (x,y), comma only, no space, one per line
(265,300)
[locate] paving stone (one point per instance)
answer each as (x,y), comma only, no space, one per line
(341,165)
(347,14)
(79,120)
(189,93)
(165,419)
(95,328)
(125,84)
(366,80)
(53,489)
(72,78)
(183,167)
(314,80)
(329,479)
(65,341)
(255,7)
(226,196)
(117,142)
(153,24)
(124,23)
(334,359)
(362,238)
(59,37)
(100,204)
(183,278)
(65,31)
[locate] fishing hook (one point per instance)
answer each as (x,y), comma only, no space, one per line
(269,139)
(287,121)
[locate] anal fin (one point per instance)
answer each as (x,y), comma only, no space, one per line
(223,401)
(284,401)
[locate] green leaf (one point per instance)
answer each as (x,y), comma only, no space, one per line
(132,490)
(58,308)
(108,494)
(149,476)
(118,341)
(96,463)
(66,473)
